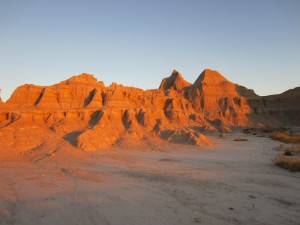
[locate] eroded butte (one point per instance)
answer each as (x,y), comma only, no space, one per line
(83,113)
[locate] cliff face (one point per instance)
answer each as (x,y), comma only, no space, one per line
(84,113)
(284,107)
(81,91)
(219,100)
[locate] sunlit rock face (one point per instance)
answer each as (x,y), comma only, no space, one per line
(174,82)
(86,114)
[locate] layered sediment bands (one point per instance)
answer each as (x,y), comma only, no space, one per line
(84,113)
(217,98)
(284,107)
(26,95)
(74,93)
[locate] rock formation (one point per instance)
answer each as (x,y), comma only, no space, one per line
(89,116)
(174,82)
(219,99)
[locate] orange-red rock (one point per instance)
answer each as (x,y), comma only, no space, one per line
(175,82)
(84,113)
(219,99)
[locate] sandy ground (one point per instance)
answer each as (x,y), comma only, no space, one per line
(229,183)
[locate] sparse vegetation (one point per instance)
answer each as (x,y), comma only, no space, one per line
(259,130)
(293,148)
(274,129)
(287,162)
(240,139)
(287,138)
(247,131)
(222,135)
(280,147)
(290,158)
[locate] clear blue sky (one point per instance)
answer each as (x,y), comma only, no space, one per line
(254,43)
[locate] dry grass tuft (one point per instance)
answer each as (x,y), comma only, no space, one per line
(247,131)
(286,162)
(240,139)
(222,135)
(294,148)
(280,147)
(287,138)
(256,130)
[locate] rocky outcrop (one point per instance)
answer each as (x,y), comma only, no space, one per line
(82,91)
(219,99)
(89,116)
(174,82)
(26,95)
(186,136)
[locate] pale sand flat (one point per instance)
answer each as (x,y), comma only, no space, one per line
(228,183)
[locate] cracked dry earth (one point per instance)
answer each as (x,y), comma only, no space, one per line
(228,183)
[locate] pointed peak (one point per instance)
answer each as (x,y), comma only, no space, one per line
(176,75)
(210,77)
(175,81)
(175,72)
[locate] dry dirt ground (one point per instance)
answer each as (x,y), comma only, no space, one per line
(228,183)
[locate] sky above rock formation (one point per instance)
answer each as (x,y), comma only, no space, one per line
(137,43)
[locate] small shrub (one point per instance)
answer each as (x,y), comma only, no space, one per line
(246,131)
(287,138)
(294,148)
(280,147)
(286,162)
(222,135)
(240,139)
(274,129)
(257,130)
(288,153)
